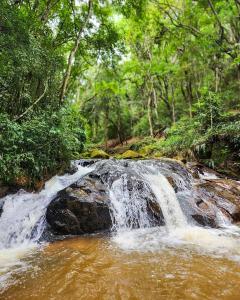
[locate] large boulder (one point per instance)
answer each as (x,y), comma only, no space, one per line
(81,208)
(85,206)
(199,171)
(224,194)
(216,201)
(98,153)
(130,154)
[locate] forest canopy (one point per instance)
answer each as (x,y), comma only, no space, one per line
(74,72)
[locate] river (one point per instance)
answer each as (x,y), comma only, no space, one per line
(99,268)
(177,261)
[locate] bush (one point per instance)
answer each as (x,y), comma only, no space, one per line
(208,111)
(40,146)
(142,127)
(208,126)
(142,143)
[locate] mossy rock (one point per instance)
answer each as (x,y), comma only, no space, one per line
(96,153)
(179,157)
(146,151)
(130,154)
(85,154)
(157,154)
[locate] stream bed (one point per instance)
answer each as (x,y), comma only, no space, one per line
(121,267)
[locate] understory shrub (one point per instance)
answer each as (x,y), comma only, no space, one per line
(209,125)
(40,145)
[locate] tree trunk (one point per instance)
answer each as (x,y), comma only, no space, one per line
(155,102)
(33,104)
(150,121)
(119,122)
(173,106)
(166,99)
(106,121)
(72,55)
(49,5)
(186,97)
(216,79)
(238,77)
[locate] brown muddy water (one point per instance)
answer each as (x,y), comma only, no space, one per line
(122,267)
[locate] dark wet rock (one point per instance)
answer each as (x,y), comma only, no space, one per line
(84,207)
(1,206)
(174,170)
(4,190)
(111,170)
(173,183)
(218,196)
(155,213)
(230,169)
(79,209)
(198,169)
(205,220)
(87,162)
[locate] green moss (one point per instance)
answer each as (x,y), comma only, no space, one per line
(145,142)
(157,154)
(131,155)
(96,153)
(147,150)
(85,154)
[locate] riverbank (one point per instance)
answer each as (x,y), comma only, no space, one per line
(219,157)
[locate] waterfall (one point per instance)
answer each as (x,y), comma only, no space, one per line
(23,217)
(141,183)
(167,200)
(129,207)
(140,193)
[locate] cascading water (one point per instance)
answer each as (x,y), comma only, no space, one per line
(23,217)
(167,200)
(129,209)
(135,187)
(139,183)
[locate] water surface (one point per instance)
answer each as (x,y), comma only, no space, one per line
(98,267)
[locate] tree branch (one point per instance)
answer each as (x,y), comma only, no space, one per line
(221,27)
(34,103)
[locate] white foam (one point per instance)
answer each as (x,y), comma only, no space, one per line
(202,240)
(207,175)
(23,216)
(167,200)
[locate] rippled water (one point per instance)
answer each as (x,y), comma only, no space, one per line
(122,267)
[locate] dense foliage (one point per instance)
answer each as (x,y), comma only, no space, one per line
(157,68)
(175,52)
(38,147)
(178,78)
(44,46)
